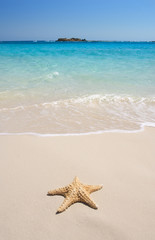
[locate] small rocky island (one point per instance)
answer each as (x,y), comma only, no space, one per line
(71,40)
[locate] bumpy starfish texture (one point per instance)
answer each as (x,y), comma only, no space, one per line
(76,192)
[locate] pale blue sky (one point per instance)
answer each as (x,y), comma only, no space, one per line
(90,19)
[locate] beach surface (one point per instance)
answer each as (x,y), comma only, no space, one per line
(123,162)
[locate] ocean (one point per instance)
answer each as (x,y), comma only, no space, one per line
(56,88)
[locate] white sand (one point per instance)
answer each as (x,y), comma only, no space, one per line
(124,163)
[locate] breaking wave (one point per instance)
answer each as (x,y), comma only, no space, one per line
(90,100)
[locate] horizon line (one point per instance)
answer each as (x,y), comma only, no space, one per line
(35,41)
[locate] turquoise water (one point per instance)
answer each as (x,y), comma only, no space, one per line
(59,88)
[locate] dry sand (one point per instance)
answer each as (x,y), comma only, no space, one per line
(123,162)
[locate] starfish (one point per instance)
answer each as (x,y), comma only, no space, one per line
(76,192)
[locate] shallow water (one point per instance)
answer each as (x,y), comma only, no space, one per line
(60,88)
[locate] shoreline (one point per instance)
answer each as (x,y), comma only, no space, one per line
(100,132)
(123,163)
(92,114)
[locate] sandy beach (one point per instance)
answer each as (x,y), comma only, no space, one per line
(31,166)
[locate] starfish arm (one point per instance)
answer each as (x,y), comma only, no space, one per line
(66,203)
(76,180)
(84,197)
(92,188)
(58,191)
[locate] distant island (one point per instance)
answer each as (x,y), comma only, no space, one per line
(71,40)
